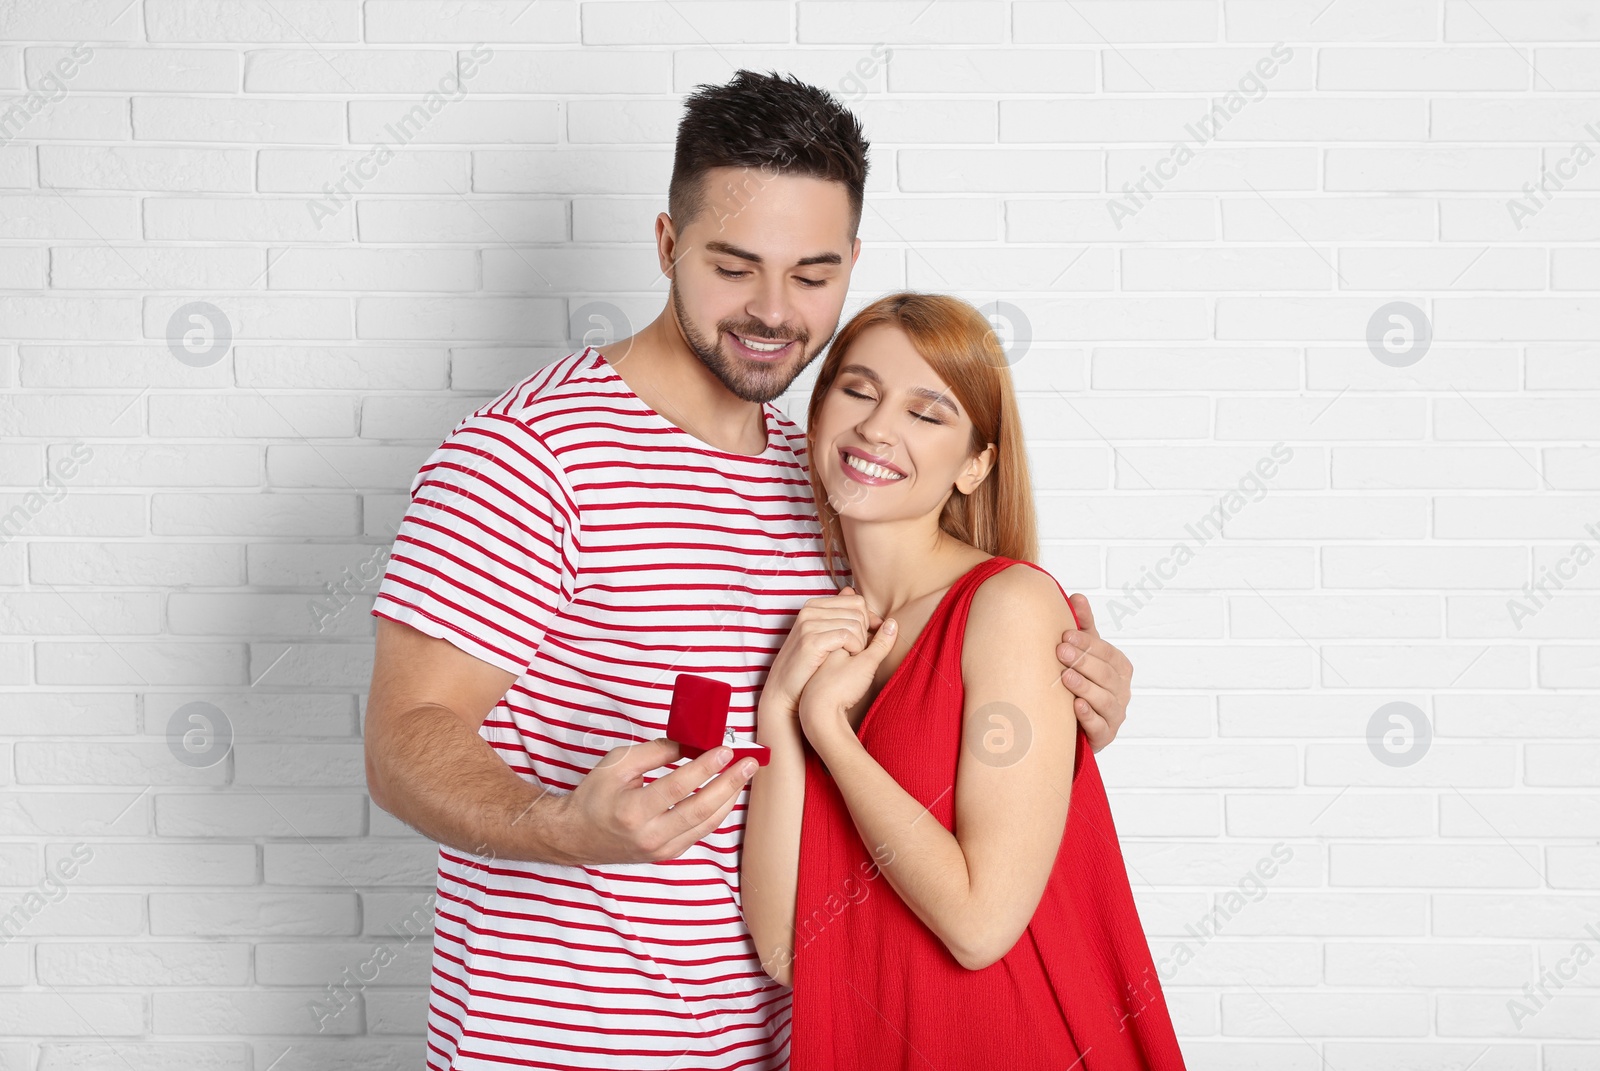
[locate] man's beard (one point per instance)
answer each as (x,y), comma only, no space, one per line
(746,379)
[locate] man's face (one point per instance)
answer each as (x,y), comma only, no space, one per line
(759,276)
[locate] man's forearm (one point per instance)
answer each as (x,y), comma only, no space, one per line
(429,769)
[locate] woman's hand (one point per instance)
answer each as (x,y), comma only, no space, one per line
(824,625)
(840,683)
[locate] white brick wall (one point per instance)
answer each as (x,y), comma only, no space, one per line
(1198,357)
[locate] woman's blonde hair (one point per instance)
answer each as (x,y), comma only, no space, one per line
(961,347)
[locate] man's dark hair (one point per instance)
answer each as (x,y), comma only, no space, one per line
(769,121)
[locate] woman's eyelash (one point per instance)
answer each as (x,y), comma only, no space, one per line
(919,416)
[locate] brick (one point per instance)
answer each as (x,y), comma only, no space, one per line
(489,222)
(494,21)
(143,965)
(244,1012)
(253,219)
(1022,269)
(341,367)
(344,70)
(147,864)
(1208,70)
(1355,20)
(235,914)
(639,23)
(1151,268)
(1506,20)
(1393,1014)
(360,864)
(104,763)
(236,119)
(319,765)
(161,169)
(461,318)
(371,269)
(144,269)
(24,269)
(364,171)
(1089,220)
(75,813)
(174,416)
(550,171)
(991,71)
(1424,567)
(141,69)
(1568,68)
(235,514)
(580,72)
(1327,814)
(16,167)
(292,21)
(1101,22)
(247,813)
(49,217)
(1294,219)
(1392,268)
(1192,368)
(1422,467)
(1421,68)
(1214,168)
(1430,169)
(146,1056)
(384,467)
(458,121)
(93,1014)
(98,20)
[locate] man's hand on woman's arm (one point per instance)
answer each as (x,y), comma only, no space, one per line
(427,766)
(1097,673)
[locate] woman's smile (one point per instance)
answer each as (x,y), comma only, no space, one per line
(864,468)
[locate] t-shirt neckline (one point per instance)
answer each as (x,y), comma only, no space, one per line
(766,418)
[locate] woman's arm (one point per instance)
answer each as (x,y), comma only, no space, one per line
(769,875)
(770,862)
(978,888)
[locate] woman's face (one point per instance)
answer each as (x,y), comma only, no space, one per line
(891,440)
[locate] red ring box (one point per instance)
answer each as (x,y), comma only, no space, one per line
(699,719)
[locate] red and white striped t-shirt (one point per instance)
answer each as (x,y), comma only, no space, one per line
(570,534)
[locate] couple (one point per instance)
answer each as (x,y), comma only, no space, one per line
(634,512)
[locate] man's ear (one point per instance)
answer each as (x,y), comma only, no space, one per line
(855,251)
(666,244)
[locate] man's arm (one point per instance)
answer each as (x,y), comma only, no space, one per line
(427,765)
(1097,673)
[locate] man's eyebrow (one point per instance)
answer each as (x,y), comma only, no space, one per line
(934,397)
(755,258)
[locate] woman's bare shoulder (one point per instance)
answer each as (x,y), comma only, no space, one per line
(1019,608)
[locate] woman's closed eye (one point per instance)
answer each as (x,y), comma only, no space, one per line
(868,397)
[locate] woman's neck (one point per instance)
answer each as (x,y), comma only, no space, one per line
(893,564)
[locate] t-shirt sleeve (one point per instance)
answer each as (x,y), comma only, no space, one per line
(484,557)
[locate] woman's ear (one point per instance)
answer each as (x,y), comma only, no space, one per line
(977,470)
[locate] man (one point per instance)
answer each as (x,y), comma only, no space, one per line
(621,516)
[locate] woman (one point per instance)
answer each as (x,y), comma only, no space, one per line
(912,866)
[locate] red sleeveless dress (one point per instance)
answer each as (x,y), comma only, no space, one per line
(874,988)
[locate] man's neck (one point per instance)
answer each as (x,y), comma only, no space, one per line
(659,367)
